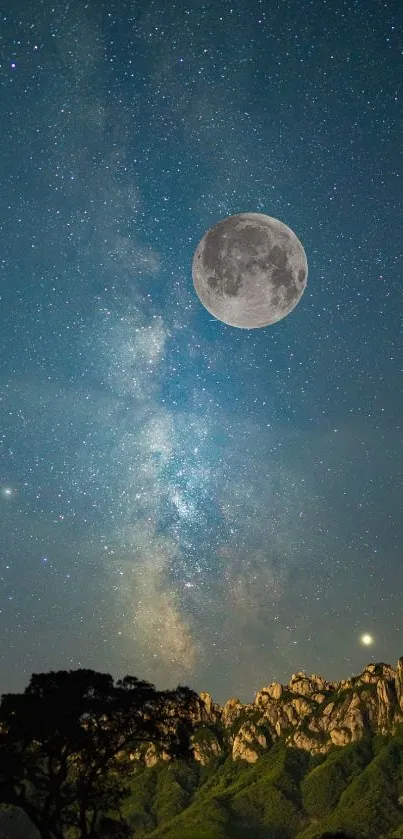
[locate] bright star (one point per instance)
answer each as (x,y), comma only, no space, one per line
(7,492)
(366,639)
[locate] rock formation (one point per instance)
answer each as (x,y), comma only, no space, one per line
(247,741)
(310,713)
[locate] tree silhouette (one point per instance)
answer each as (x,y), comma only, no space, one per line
(339,834)
(65,745)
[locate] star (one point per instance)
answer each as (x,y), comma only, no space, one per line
(212,493)
(366,639)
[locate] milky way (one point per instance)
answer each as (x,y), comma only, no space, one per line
(182,500)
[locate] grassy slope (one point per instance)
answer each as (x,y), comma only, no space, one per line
(284,796)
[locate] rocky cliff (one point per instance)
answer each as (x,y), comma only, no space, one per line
(309,712)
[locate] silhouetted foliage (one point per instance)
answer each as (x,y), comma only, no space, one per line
(338,835)
(65,747)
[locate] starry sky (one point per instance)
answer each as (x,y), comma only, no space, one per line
(180,499)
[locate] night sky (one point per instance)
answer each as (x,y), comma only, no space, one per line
(183,500)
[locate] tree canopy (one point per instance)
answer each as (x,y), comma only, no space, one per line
(65,746)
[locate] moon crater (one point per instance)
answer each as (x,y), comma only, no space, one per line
(250,270)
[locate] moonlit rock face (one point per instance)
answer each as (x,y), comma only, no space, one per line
(250,270)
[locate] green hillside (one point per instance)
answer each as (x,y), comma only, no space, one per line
(286,794)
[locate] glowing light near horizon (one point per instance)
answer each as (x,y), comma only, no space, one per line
(366,639)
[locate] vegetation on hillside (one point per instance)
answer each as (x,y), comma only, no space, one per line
(66,749)
(355,790)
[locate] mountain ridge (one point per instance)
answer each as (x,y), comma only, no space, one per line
(301,761)
(309,713)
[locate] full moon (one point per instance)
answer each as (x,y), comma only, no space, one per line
(250,270)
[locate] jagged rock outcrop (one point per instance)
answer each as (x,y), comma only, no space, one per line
(247,742)
(307,685)
(387,700)
(209,710)
(232,709)
(310,713)
(399,683)
(206,749)
(373,672)
(272,691)
(153,755)
(315,714)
